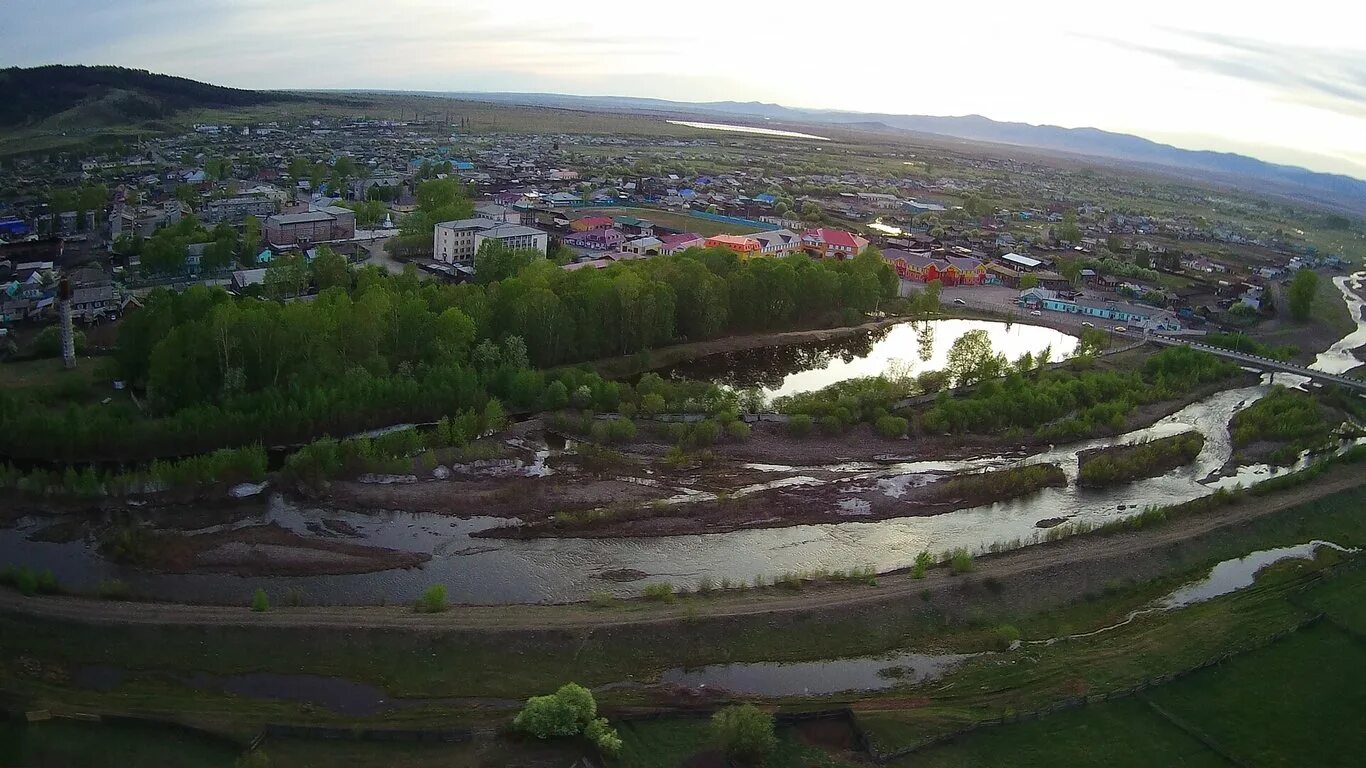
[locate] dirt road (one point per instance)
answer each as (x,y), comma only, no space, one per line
(1035,576)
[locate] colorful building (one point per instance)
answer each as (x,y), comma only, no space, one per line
(590,223)
(745,246)
(948,270)
(825,243)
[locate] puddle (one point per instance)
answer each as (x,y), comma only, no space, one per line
(817,678)
(1224,578)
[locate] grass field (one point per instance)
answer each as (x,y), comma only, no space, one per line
(1120,734)
(670,219)
(672,743)
(83,745)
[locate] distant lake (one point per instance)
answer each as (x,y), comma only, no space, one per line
(747,129)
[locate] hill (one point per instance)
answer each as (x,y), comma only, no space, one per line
(1329,189)
(89,97)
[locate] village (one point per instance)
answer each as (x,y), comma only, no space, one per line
(239,199)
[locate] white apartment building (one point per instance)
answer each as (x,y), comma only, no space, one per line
(458,241)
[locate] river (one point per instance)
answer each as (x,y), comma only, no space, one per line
(487,571)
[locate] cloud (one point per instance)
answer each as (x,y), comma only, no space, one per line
(1328,79)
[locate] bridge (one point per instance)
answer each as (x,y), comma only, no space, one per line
(1264,363)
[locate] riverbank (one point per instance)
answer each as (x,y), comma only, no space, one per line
(1033,577)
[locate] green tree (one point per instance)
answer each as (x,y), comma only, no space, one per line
(259,602)
(567,712)
(1300,295)
(745,732)
(1069,231)
(1029,280)
(330,269)
(971,359)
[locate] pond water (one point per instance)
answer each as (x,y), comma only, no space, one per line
(818,678)
(746,129)
(905,348)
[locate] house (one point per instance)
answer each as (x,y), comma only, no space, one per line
(235,210)
(1143,317)
(634,227)
(590,223)
(459,241)
(671,244)
(778,242)
(596,239)
(948,270)
(826,243)
(496,212)
(244,278)
(745,246)
(317,226)
(644,246)
(1021,263)
(93,302)
(563,199)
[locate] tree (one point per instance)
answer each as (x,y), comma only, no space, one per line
(567,712)
(287,276)
(971,359)
(745,732)
(1300,295)
(495,262)
(1029,280)
(1069,231)
(330,269)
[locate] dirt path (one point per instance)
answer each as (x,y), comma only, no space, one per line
(1024,568)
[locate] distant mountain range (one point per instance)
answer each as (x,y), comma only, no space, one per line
(104,96)
(1334,190)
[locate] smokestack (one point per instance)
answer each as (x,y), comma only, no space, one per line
(64,317)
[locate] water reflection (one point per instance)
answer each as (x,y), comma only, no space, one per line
(907,348)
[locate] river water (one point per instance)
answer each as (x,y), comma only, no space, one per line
(488,571)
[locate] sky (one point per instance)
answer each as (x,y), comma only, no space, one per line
(1284,82)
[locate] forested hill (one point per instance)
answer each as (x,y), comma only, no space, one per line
(110,95)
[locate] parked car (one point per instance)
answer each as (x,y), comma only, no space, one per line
(1087,324)
(960,301)
(1121,329)
(1036,313)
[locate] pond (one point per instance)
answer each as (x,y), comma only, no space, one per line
(906,348)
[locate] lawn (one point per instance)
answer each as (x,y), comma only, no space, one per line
(1116,734)
(672,743)
(1299,701)
(78,745)
(1341,597)
(46,372)
(671,219)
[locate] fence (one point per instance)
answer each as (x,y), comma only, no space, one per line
(763,226)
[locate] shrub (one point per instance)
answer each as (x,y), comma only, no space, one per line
(566,712)
(831,425)
(744,731)
(433,600)
(891,426)
(1005,636)
(114,589)
(259,602)
(960,560)
(800,425)
(738,430)
(923,561)
(26,581)
(660,592)
(603,736)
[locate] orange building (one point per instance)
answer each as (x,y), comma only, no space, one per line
(745,246)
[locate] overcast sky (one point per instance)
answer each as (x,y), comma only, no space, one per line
(1285,81)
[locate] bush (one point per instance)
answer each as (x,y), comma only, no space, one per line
(114,589)
(661,592)
(745,732)
(923,561)
(259,602)
(738,430)
(48,342)
(891,426)
(566,712)
(433,600)
(603,736)
(960,560)
(1005,636)
(800,425)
